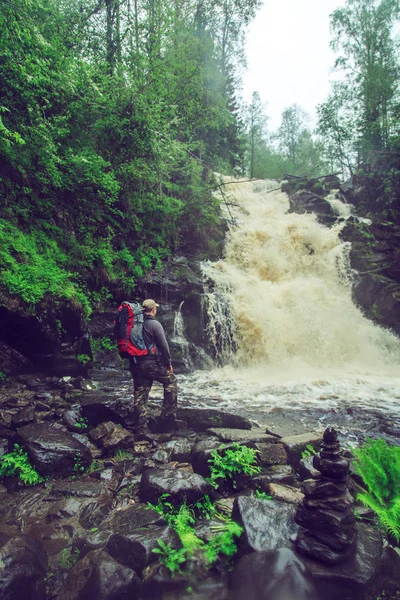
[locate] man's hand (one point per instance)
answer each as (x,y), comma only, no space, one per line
(170,369)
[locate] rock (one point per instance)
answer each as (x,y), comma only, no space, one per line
(136,531)
(23,568)
(13,362)
(272,454)
(296,444)
(159,585)
(3,446)
(180,485)
(110,436)
(82,488)
(92,515)
(267,524)
(356,577)
(302,202)
(241,435)
(181,450)
(23,417)
(52,450)
(64,509)
(201,454)
(100,577)
(201,420)
(285,493)
(99,408)
(275,474)
(327,531)
(93,540)
(272,575)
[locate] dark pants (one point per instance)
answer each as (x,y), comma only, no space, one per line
(144,372)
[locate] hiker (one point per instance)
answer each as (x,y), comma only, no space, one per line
(154,365)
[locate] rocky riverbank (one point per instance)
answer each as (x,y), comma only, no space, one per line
(86,531)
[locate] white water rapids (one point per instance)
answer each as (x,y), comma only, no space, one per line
(300,341)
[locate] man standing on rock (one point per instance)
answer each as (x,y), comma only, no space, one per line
(156,365)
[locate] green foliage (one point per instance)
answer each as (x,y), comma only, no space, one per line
(378,464)
(172,558)
(16,463)
(308,451)
(182,520)
(78,467)
(225,463)
(122,455)
(69,558)
(82,423)
(3,376)
(262,495)
(84,359)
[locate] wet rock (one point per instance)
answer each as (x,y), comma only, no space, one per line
(3,446)
(65,509)
(201,420)
(201,454)
(52,450)
(275,474)
(267,524)
(23,417)
(241,435)
(303,201)
(100,577)
(272,454)
(272,575)
(110,436)
(327,531)
(181,450)
(99,408)
(285,493)
(180,485)
(296,444)
(92,515)
(13,362)
(93,540)
(82,488)
(74,421)
(23,567)
(354,578)
(136,531)
(159,585)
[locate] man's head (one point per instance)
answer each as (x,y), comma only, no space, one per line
(150,307)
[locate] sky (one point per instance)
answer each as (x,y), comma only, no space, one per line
(288,56)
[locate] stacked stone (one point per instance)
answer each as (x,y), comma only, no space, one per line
(326,516)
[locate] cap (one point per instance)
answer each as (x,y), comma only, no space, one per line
(149,304)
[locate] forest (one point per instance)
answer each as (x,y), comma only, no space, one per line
(115,116)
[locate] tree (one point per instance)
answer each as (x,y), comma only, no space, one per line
(257,131)
(363,31)
(289,134)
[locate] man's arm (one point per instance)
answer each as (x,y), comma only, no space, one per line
(161,343)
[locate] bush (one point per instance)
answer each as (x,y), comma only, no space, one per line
(378,464)
(17,463)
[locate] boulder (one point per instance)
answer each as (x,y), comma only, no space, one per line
(52,450)
(267,524)
(307,202)
(272,575)
(98,408)
(110,436)
(12,361)
(180,485)
(100,577)
(295,445)
(201,419)
(358,577)
(136,531)
(241,435)
(23,568)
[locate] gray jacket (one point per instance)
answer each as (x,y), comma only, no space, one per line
(154,334)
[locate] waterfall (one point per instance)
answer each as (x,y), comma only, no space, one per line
(282,295)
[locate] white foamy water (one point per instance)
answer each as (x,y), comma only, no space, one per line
(299,339)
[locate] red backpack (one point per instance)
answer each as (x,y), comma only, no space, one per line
(129,330)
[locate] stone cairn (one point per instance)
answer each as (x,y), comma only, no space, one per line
(326,517)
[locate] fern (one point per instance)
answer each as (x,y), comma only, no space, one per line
(378,464)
